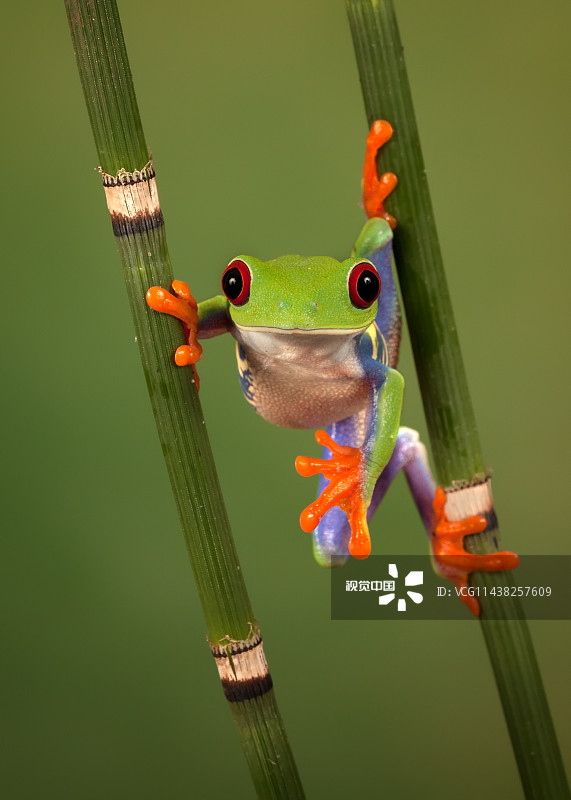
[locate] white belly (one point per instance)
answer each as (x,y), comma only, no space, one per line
(302,379)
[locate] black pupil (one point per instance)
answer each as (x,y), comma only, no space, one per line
(232,283)
(368,285)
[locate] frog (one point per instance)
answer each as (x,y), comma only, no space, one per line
(317,346)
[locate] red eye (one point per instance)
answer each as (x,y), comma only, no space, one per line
(364,284)
(236,282)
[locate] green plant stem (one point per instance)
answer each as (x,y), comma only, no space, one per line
(449,414)
(112,106)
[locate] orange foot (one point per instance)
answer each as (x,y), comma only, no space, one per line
(454,561)
(344,470)
(375,189)
(183,306)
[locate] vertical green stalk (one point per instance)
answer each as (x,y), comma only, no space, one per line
(130,188)
(450,417)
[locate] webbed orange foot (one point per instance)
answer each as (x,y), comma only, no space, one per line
(454,561)
(183,306)
(344,471)
(376,189)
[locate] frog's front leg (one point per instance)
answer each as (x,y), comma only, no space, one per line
(353,472)
(200,320)
(184,307)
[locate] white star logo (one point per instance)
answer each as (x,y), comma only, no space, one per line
(414,578)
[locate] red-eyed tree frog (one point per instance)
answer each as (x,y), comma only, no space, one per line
(317,343)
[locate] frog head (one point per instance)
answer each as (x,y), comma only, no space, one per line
(295,293)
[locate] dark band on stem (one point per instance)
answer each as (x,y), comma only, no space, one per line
(238,691)
(127,226)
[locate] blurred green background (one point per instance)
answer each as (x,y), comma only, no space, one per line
(254,115)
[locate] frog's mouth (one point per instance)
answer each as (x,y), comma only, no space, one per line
(307,349)
(302,331)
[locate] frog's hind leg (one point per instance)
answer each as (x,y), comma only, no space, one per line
(409,456)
